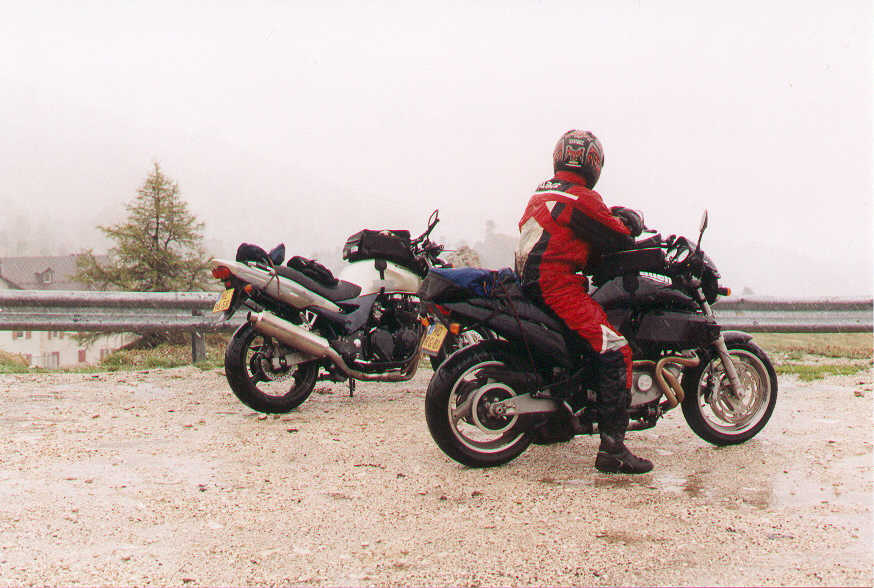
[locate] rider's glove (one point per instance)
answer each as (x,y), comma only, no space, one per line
(630,218)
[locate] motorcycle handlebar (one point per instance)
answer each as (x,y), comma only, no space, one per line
(432,222)
(654,241)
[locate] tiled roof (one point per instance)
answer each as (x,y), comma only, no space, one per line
(41,273)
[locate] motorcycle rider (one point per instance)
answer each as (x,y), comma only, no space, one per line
(565,223)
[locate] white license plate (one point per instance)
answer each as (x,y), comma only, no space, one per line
(224,301)
(434,339)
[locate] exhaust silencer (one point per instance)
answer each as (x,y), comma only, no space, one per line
(289,333)
(308,342)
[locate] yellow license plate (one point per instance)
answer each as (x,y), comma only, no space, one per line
(224,301)
(434,339)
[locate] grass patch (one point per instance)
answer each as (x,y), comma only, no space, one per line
(808,372)
(12,363)
(166,355)
(795,346)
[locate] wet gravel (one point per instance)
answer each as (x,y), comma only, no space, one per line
(164,478)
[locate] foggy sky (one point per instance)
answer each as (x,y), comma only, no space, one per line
(287,121)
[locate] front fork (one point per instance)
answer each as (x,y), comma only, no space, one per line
(721,348)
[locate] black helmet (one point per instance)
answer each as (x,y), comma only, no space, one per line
(579,152)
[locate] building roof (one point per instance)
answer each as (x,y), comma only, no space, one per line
(40,273)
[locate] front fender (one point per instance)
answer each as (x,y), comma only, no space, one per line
(736,337)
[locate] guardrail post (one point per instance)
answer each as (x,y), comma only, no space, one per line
(198,342)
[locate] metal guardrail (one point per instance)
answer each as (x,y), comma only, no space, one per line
(801,315)
(40,310)
(114,312)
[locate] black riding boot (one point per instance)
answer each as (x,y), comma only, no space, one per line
(615,458)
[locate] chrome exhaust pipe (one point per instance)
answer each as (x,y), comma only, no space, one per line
(292,335)
(299,338)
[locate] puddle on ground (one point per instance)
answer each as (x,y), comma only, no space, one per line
(849,487)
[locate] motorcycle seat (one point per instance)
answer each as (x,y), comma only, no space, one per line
(340,291)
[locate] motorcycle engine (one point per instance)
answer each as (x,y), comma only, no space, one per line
(406,342)
(382,344)
(397,346)
(394,337)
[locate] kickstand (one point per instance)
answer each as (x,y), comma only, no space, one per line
(351,387)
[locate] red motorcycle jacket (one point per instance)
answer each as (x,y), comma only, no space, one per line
(563,225)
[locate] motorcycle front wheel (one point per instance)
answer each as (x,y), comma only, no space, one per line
(457,408)
(258,382)
(710,406)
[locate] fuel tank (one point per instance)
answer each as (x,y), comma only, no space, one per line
(394,278)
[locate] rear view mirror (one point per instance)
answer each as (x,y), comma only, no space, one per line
(704,219)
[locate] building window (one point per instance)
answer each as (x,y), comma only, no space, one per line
(82,356)
(17,334)
(47,277)
(27,334)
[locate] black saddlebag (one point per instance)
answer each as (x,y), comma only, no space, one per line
(389,245)
(313,269)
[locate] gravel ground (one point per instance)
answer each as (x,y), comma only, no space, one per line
(164,478)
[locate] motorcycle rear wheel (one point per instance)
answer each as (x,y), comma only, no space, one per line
(256,384)
(708,403)
(456,408)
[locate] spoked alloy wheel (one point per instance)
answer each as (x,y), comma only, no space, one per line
(258,381)
(458,408)
(710,406)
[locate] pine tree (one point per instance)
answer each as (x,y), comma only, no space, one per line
(157,249)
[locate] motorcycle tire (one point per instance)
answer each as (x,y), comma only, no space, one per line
(455,408)
(462,340)
(244,375)
(708,404)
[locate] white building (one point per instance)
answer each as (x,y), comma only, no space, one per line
(50,349)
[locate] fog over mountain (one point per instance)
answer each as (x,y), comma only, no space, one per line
(305,123)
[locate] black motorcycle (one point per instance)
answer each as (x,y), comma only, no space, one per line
(486,403)
(304,324)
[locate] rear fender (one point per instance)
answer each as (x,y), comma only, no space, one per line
(519,380)
(545,344)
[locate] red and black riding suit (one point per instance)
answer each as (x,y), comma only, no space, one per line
(563,225)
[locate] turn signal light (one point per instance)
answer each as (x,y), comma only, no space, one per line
(424,320)
(454,328)
(724,291)
(248,289)
(221,272)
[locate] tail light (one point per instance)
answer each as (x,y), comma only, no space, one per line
(221,272)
